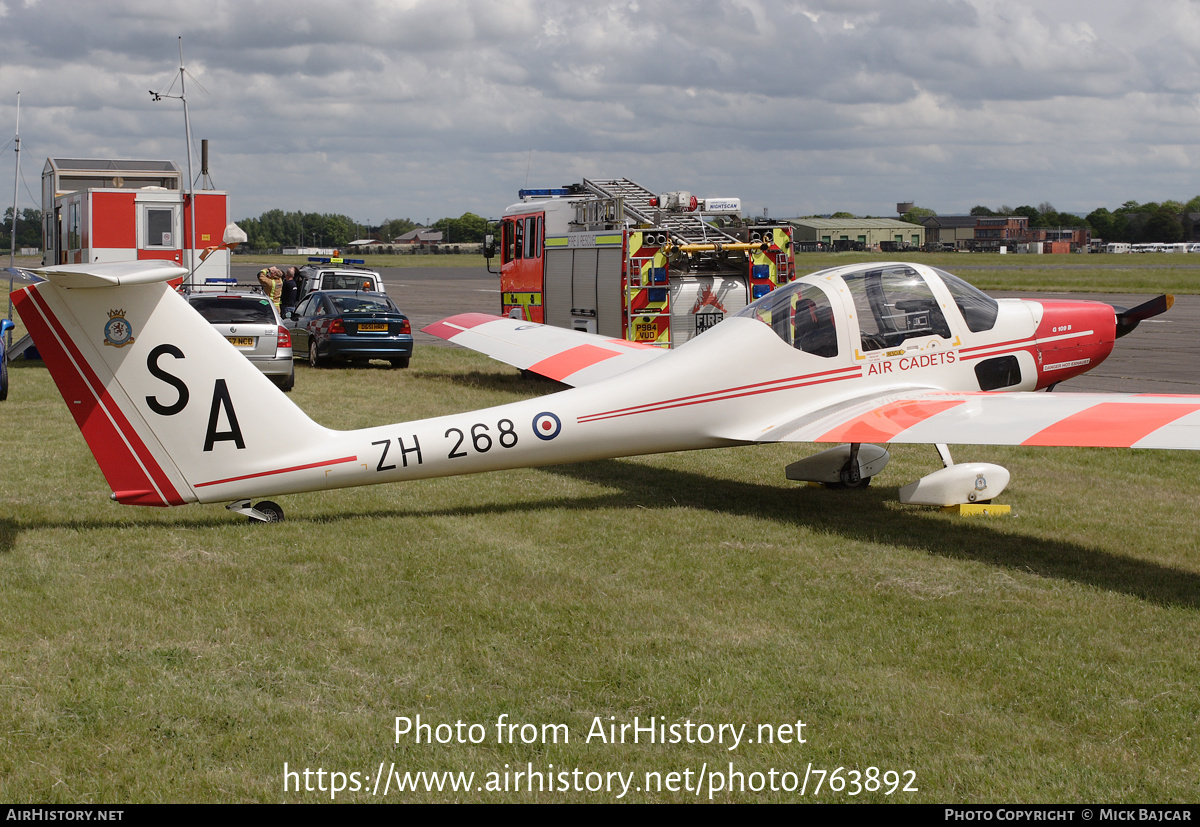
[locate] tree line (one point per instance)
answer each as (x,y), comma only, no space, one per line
(1166,221)
(29,229)
(276,228)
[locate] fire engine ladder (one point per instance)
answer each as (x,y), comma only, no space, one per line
(685,228)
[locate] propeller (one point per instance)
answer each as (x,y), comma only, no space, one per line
(1127,320)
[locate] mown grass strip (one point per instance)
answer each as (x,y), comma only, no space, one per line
(186,655)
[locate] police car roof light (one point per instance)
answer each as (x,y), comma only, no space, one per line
(329,260)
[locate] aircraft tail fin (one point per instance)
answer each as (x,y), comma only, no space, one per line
(167,405)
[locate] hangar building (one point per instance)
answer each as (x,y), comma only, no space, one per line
(857,233)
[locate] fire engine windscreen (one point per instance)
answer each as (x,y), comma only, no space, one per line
(800,314)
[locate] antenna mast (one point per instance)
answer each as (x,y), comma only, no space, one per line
(187,136)
(12,247)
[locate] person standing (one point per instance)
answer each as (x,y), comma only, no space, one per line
(271,279)
(289,291)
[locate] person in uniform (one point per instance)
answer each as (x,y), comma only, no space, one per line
(271,279)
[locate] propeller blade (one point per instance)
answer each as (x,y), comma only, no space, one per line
(1127,320)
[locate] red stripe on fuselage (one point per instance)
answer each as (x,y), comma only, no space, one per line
(321,464)
(128,466)
(731,393)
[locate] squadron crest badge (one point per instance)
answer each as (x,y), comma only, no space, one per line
(118,332)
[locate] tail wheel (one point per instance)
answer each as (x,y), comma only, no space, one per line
(272,511)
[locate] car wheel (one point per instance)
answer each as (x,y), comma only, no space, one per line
(314,361)
(288,382)
(3,375)
(400,362)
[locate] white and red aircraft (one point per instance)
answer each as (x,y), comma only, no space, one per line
(852,355)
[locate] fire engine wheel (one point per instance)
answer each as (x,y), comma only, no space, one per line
(270,510)
(314,361)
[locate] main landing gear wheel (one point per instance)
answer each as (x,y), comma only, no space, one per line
(851,473)
(270,510)
(862,482)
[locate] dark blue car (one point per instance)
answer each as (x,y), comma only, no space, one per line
(350,324)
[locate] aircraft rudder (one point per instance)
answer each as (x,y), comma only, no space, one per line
(133,471)
(164,401)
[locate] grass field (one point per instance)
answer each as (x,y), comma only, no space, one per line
(186,655)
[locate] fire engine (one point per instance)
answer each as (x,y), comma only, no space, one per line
(101,210)
(609,256)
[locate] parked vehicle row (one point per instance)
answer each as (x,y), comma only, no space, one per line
(343,315)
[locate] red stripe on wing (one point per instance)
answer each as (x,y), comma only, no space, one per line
(561,365)
(448,328)
(883,423)
(1111,424)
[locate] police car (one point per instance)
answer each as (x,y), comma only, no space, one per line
(336,273)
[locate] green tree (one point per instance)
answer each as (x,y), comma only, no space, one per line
(1163,226)
(917,215)
(1031,213)
(1101,222)
(466,229)
(981,210)
(29,229)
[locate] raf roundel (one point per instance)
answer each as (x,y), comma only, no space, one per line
(546,425)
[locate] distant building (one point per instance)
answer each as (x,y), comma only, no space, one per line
(857,233)
(950,231)
(421,235)
(995,231)
(988,233)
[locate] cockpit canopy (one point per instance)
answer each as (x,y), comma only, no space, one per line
(893,303)
(801,315)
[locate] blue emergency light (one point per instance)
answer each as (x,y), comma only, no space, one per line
(546,193)
(328,260)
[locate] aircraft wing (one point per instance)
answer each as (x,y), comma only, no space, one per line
(929,416)
(568,356)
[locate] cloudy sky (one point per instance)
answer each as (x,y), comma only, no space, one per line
(427,108)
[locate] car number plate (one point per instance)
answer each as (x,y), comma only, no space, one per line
(373,327)
(241,341)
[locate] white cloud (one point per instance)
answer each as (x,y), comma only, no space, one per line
(426,108)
